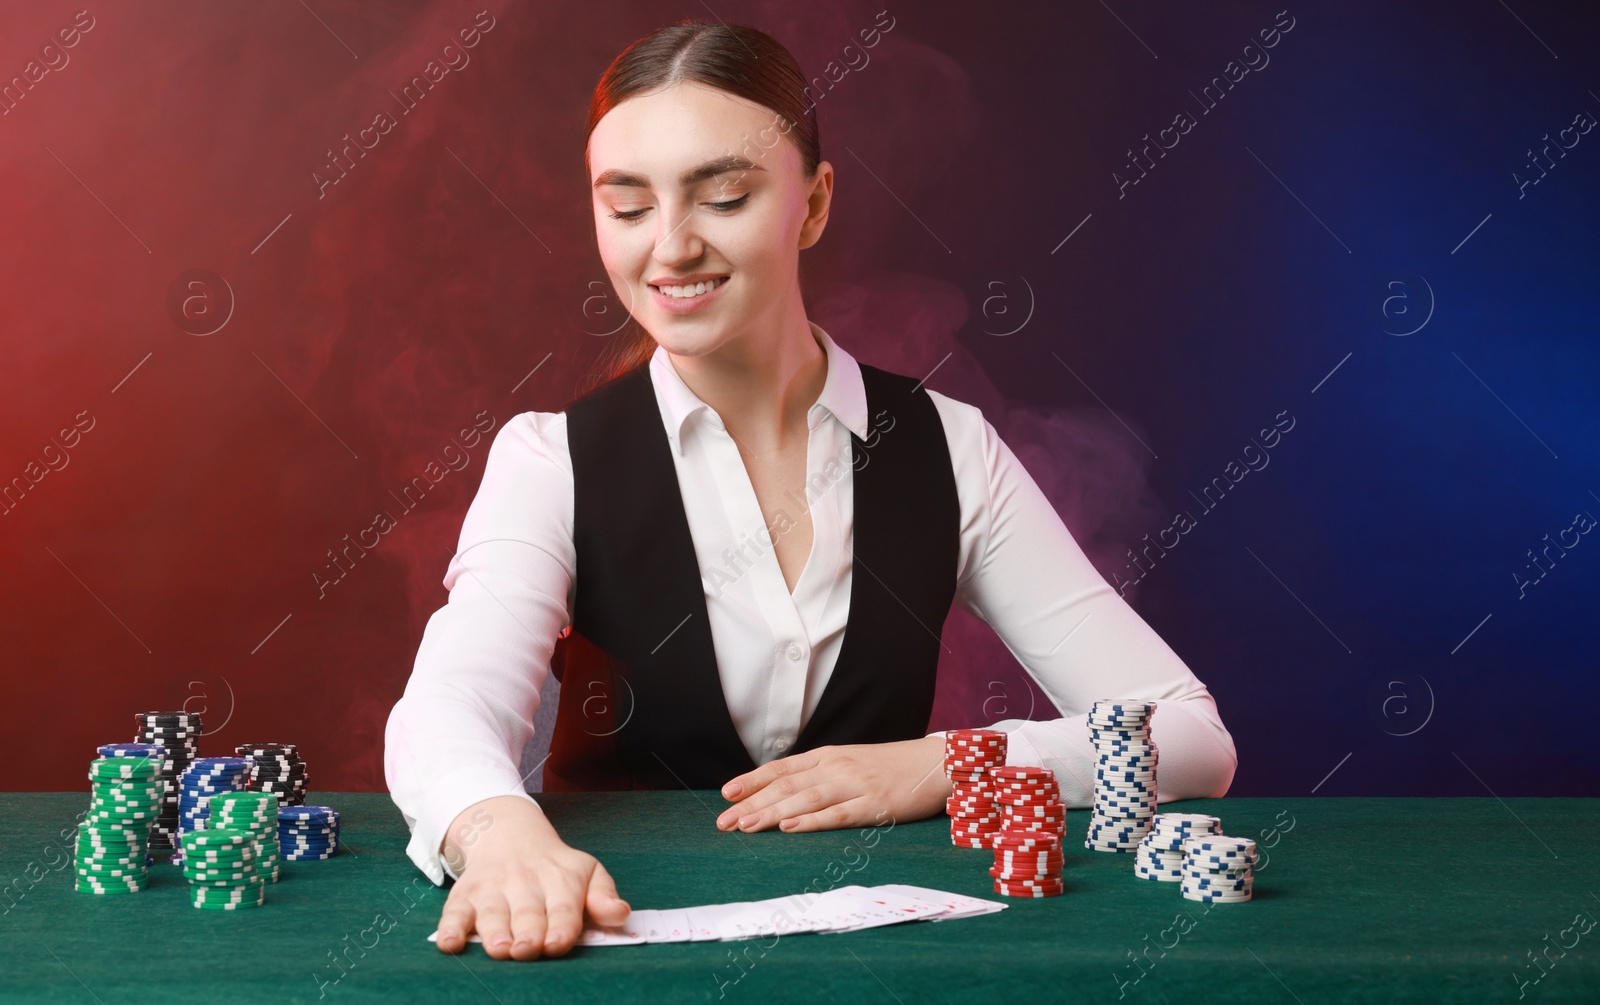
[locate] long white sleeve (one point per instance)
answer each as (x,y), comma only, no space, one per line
(455,737)
(1023,573)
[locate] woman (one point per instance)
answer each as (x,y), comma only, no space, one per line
(709,522)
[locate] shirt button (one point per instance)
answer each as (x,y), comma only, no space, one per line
(780,745)
(795,651)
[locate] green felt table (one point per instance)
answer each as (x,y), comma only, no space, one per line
(1357,900)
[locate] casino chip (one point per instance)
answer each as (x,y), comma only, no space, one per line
(202,779)
(1125,774)
(1027,848)
(278,769)
(114,836)
(1218,869)
(1160,854)
(308,832)
(1029,800)
(257,814)
(178,735)
(221,866)
(968,756)
(1027,863)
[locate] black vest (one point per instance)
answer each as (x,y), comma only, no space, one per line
(641,700)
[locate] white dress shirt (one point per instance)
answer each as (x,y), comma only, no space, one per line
(455,737)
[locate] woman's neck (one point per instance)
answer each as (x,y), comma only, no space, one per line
(762,388)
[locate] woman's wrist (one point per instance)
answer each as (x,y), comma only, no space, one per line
(487,821)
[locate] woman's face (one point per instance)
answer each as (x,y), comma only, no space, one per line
(691,185)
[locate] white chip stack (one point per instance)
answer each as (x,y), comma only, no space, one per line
(1124,776)
(1160,854)
(1218,869)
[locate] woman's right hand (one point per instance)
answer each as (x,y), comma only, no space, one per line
(520,887)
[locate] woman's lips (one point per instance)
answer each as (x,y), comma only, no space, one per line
(688,305)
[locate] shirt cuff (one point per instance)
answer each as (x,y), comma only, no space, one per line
(450,795)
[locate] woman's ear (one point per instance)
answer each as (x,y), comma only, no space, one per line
(817,204)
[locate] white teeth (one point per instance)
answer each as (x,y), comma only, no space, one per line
(685,292)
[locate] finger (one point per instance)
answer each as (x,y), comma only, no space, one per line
(565,909)
(527,906)
(603,903)
(455,921)
(772,781)
(849,813)
(494,923)
(807,798)
(753,781)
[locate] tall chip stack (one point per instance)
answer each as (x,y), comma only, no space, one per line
(179,734)
(257,814)
(1124,777)
(113,837)
(278,769)
(1160,854)
(156,753)
(202,779)
(1027,849)
(968,756)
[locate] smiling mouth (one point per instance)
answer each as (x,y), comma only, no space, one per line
(691,291)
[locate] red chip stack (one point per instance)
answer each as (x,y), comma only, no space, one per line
(969,754)
(1027,848)
(1029,799)
(1027,865)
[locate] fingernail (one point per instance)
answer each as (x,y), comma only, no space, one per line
(732,790)
(786,825)
(499,942)
(749,820)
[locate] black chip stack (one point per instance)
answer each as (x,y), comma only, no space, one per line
(278,769)
(179,733)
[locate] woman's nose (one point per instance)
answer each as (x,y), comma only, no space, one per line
(679,239)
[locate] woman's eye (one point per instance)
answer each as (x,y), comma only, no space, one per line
(724,207)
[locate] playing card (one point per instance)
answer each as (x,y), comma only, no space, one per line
(842,909)
(955,904)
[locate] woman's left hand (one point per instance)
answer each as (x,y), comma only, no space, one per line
(848,785)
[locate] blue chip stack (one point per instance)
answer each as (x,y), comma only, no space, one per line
(1160,854)
(1124,774)
(202,779)
(1218,869)
(306,833)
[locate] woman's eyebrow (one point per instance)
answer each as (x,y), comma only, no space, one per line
(710,169)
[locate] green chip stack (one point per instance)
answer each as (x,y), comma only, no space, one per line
(220,865)
(114,836)
(257,813)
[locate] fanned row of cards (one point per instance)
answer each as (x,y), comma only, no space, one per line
(846,909)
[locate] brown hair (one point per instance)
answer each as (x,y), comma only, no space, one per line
(736,58)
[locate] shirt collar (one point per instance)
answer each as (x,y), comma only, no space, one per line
(843,395)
